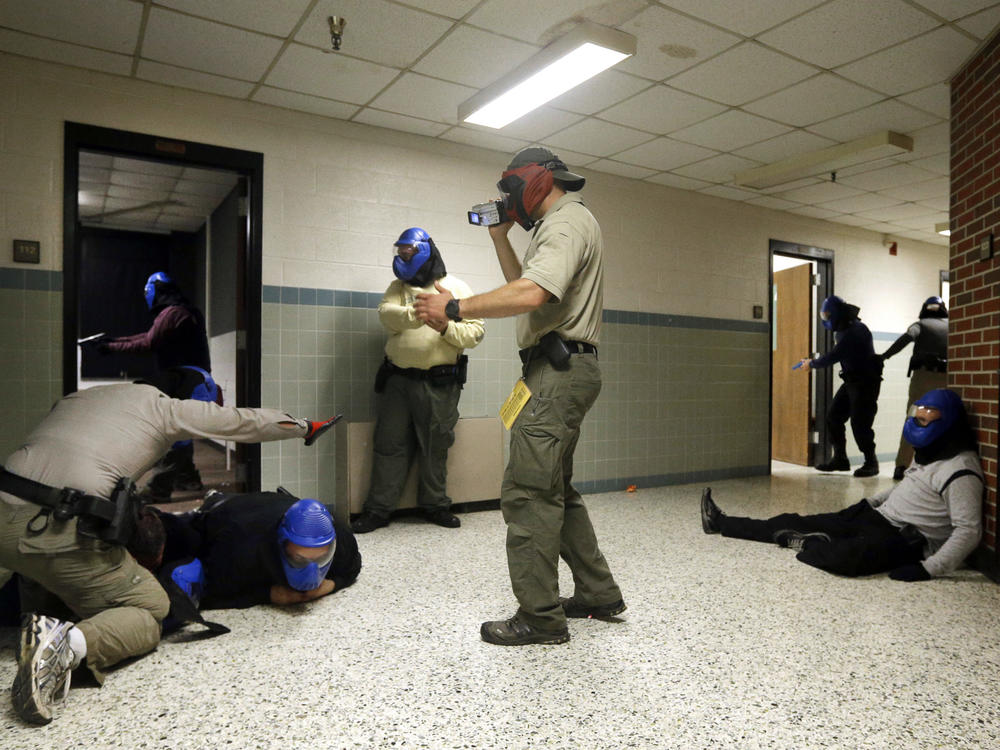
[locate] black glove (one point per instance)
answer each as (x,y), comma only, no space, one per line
(910,573)
(318,428)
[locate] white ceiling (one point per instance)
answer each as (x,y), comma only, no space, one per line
(716,86)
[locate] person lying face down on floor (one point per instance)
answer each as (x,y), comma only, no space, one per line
(258,548)
(924,527)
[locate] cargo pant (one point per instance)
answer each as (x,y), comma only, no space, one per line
(546,518)
(118,602)
(414,419)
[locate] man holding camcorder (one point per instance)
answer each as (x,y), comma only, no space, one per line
(559,288)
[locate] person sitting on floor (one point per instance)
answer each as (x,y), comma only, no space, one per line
(922,528)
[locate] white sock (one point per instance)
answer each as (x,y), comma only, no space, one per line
(77,642)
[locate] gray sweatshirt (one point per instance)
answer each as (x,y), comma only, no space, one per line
(950,520)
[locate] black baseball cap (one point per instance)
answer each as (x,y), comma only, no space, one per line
(540,155)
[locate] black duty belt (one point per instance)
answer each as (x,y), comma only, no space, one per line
(575,347)
(415,373)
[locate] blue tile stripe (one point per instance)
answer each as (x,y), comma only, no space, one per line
(370,301)
(30,278)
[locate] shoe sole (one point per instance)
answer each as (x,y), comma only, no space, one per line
(706,517)
(539,639)
(596,612)
(23,692)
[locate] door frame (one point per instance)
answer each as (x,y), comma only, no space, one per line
(249,164)
(824,339)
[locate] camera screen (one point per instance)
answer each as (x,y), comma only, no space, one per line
(474,218)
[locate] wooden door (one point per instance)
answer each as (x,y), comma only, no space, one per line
(792,321)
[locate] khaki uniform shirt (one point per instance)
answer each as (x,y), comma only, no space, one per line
(565,258)
(411,343)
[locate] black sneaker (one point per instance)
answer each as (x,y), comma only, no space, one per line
(835,464)
(443,517)
(368,522)
(573,608)
(516,632)
(792,539)
(898,472)
(710,513)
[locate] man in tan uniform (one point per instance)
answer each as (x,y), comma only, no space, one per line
(419,385)
(89,441)
(559,290)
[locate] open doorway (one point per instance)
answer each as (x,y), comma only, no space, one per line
(801,277)
(136,204)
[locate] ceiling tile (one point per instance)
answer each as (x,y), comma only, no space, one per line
(67,54)
(982,24)
(600,92)
(742,73)
(935,99)
(491,140)
(769,201)
(941,203)
(450,8)
(202,189)
(815,213)
(849,219)
(459,57)
(676,181)
(669,43)
(886,115)
(94,174)
(207,46)
(376,30)
(192,79)
(784,146)
(664,154)
(716,169)
(883,227)
(861,202)
(747,18)
(80,23)
(819,98)
(540,23)
(952,9)
(821,192)
(598,137)
(217,176)
(145,166)
(310,71)
(939,164)
(926,60)
(420,96)
(399,122)
(730,130)
(661,109)
(538,124)
(924,221)
(894,213)
(929,141)
(92,159)
(304,103)
(919,191)
(271,18)
(844,30)
(885,177)
(133,193)
(622,170)
(728,192)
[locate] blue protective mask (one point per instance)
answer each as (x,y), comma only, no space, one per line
(406,270)
(306,575)
(945,401)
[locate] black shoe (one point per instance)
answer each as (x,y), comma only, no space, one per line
(837,463)
(573,608)
(710,513)
(898,472)
(516,632)
(443,517)
(868,469)
(368,522)
(793,539)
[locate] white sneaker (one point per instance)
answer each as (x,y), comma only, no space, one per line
(43,667)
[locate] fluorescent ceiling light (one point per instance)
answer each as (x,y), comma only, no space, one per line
(943,228)
(872,147)
(565,63)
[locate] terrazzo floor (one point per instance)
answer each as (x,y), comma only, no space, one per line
(726,644)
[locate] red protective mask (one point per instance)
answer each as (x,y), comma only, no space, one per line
(524,190)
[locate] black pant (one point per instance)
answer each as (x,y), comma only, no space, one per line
(862,542)
(857,401)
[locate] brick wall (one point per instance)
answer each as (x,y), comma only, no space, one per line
(974,336)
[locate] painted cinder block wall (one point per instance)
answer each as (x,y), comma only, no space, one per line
(974,333)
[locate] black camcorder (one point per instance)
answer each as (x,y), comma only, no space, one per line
(488,214)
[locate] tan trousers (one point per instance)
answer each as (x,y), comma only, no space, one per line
(120,604)
(921,381)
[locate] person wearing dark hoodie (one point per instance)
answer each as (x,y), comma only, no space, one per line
(928,365)
(178,339)
(922,528)
(857,397)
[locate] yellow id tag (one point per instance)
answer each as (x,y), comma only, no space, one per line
(514,403)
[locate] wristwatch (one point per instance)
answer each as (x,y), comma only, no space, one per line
(451,310)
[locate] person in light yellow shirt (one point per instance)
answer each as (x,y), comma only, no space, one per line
(419,385)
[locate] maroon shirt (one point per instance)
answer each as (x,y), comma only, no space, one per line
(177,336)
